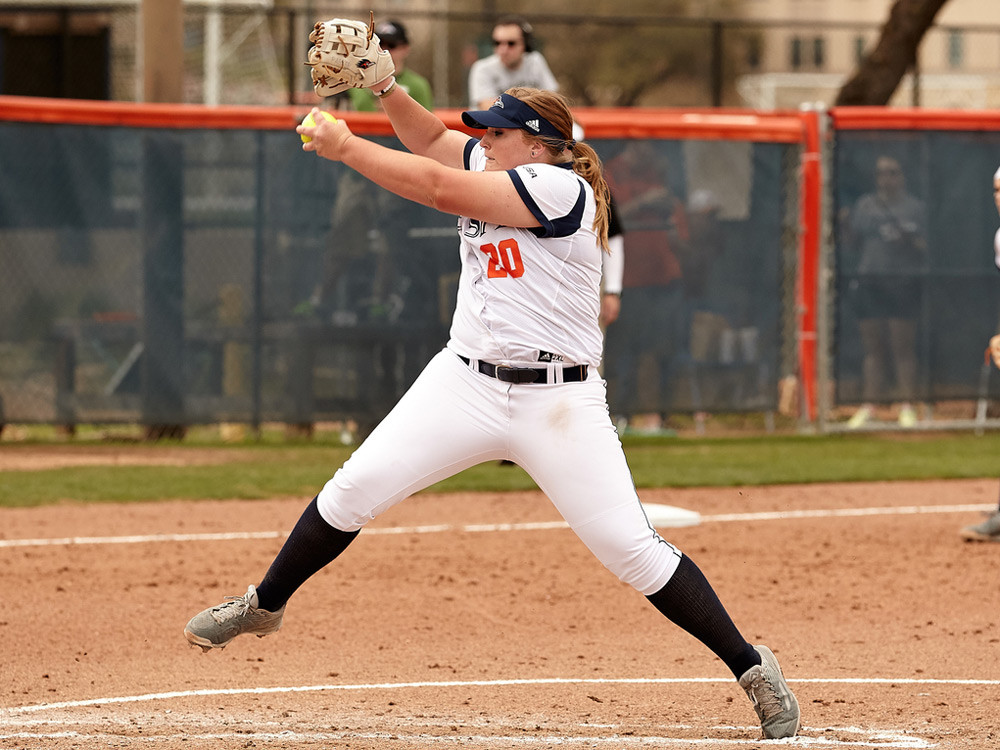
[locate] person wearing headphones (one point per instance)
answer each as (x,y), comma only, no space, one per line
(514,62)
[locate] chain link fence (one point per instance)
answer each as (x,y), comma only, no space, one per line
(181,275)
(194,275)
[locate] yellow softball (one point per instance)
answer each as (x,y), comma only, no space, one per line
(309,122)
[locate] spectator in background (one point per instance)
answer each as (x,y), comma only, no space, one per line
(989,530)
(368,273)
(706,243)
(362,270)
(514,62)
(886,232)
(652,315)
(393,39)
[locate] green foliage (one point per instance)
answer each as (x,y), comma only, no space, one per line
(266,469)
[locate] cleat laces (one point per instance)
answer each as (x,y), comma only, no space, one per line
(235,606)
(765,696)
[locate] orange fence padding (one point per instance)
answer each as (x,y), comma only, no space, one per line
(883,118)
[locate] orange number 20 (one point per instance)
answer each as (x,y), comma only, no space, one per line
(504,261)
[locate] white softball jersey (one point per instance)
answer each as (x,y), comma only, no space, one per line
(531,295)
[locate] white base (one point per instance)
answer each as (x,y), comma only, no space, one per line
(667,516)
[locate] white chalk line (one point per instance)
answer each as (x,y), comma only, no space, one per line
(782,515)
(21,716)
(207,692)
(892,740)
(902,510)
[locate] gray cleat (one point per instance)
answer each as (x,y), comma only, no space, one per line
(987,531)
(217,626)
(772,699)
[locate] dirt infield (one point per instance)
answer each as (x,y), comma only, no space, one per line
(440,629)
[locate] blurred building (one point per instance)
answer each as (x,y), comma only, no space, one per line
(818,42)
(772,53)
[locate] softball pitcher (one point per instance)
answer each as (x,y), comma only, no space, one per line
(518,378)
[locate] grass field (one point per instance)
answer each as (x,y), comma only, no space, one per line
(275,468)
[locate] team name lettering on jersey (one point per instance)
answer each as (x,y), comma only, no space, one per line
(476,228)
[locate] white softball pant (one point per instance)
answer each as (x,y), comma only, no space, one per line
(454,417)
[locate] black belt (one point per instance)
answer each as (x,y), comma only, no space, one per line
(523,375)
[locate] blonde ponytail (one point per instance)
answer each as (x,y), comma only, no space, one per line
(586,163)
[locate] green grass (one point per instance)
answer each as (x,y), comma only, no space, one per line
(299,468)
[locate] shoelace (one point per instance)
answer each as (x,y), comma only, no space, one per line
(231,608)
(766,699)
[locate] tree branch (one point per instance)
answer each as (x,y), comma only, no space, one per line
(877,76)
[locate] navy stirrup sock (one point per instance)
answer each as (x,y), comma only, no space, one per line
(312,545)
(689,601)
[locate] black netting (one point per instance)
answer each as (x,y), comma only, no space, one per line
(702,322)
(916,294)
(183,276)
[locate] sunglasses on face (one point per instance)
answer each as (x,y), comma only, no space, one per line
(505,42)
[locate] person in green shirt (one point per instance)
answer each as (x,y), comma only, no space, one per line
(393,38)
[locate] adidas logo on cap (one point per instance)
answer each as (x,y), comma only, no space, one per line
(533,124)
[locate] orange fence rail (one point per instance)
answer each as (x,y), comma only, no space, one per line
(882,118)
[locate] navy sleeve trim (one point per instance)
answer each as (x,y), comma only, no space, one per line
(562,226)
(570,223)
(546,229)
(467,154)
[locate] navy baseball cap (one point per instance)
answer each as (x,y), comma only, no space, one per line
(509,112)
(391,33)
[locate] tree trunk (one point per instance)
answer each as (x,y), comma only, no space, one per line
(878,75)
